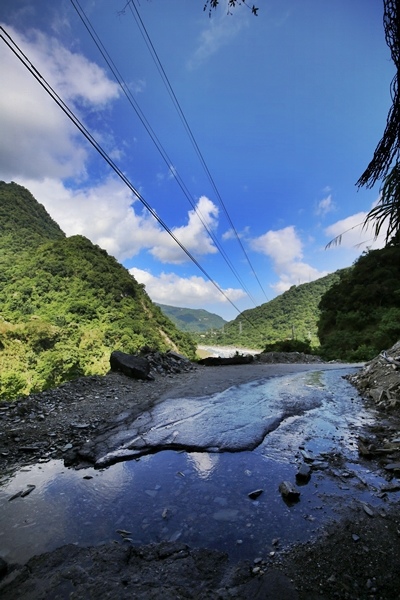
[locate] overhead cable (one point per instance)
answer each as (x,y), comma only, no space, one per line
(8,40)
(134,104)
(167,83)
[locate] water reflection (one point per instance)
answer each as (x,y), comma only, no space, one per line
(199,498)
(203,462)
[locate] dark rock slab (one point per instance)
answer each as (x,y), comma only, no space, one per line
(130,365)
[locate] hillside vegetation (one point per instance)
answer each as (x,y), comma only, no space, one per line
(65,304)
(192,320)
(360,314)
(293,315)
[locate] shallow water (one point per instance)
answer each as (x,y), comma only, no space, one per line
(201,498)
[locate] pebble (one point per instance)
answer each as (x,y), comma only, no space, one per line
(255,494)
(368,510)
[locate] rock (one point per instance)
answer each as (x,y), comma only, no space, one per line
(16,495)
(391,487)
(393,467)
(289,491)
(303,474)
(124,533)
(30,448)
(3,568)
(363,449)
(28,490)
(238,359)
(130,365)
(307,456)
(255,494)
(368,510)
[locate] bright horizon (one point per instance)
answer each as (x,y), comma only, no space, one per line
(285,111)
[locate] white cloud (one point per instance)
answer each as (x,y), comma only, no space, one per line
(353,235)
(191,292)
(325,206)
(221,30)
(294,274)
(283,245)
(193,235)
(230,234)
(44,141)
(285,249)
(104,214)
(137,87)
(71,74)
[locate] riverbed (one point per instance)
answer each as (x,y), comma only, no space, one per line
(204,497)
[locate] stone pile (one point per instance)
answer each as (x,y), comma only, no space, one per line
(287,357)
(380,379)
(166,363)
(149,363)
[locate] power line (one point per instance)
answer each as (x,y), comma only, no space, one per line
(134,104)
(8,40)
(142,28)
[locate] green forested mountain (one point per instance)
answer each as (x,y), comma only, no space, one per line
(65,304)
(292,315)
(191,319)
(360,314)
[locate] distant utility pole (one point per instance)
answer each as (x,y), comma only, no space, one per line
(240,327)
(292,332)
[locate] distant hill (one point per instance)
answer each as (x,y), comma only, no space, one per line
(292,315)
(65,304)
(192,320)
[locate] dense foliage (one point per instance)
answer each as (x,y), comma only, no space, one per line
(385,164)
(293,315)
(290,346)
(65,303)
(192,320)
(360,315)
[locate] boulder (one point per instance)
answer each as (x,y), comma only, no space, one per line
(131,365)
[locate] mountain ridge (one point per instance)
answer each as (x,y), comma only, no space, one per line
(65,303)
(192,320)
(291,315)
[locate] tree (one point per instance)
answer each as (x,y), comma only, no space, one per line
(388,149)
(210,5)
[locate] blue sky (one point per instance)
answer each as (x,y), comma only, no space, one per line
(285,108)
